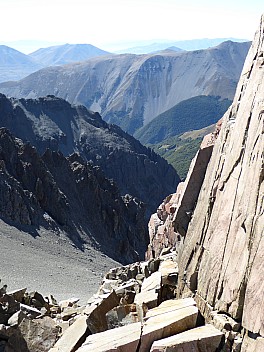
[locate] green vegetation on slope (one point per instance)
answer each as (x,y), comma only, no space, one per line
(191,114)
(180,150)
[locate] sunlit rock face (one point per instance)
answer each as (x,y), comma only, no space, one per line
(220,253)
(222,256)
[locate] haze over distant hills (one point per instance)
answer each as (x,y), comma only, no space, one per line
(14,65)
(192,44)
(67,53)
(131,90)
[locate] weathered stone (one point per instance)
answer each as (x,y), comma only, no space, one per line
(224,322)
(73,336)
(8,306)
(37,335)
(16,318)
(70,312)
(150,290)
(153,282)
(121,315)
(149,298)
(96,319)
(123,339)
(169,272)
(252,344)
(222,256)
(31,312)
(170,306)
(18,295)
(202,339)
(167,324)
(68,302)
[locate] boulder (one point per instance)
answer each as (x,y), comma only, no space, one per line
(202,339)
(72,337)
(121,315)
(96,315)
(123,339)
(167,324)
(170,306)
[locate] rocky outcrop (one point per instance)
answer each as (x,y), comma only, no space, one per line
(55,124)
(131,90)
(82,203)
(31,322)
(220,254)
(168,226)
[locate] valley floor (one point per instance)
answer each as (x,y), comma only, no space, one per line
(49,264)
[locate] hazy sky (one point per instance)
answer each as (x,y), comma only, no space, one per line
(106,22)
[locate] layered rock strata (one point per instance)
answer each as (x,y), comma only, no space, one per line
(220,256)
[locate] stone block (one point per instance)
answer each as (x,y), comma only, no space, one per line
(167,324)
(204,338)
(97,314)
(123,339)
(18,295)
(170,306)
(121,315)
(169,272)
(72,336)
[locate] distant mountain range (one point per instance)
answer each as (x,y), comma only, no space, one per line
(131,90)
(192,44)
(65,54)
(14,65)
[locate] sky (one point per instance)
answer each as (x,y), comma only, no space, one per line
(117,24)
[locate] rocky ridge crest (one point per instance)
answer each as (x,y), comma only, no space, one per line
(83,203)
(53,123)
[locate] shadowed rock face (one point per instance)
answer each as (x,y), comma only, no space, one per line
(70,195)
(131,90)
(55,124)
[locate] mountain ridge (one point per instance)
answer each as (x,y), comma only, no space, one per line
(151,84)
(56,124)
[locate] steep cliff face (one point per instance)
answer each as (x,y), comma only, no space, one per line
(69,195)
(221,258)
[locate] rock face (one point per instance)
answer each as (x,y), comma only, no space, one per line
(168,226)
(130,90)
(55,124)
(82,203)
(221,254)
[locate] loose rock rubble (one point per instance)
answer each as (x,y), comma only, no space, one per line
(135,309)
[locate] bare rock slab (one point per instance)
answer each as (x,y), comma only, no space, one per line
(97,314)
(123,339)
(169,306)
(150,290)
(202,339)
(167,324)
(72,336)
